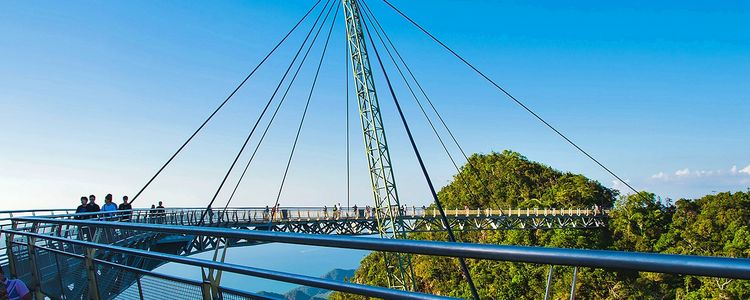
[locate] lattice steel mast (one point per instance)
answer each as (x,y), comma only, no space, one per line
(386,209)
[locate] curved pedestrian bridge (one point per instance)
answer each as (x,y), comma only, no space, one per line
(108,256)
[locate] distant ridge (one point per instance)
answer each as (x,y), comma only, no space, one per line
(311,293)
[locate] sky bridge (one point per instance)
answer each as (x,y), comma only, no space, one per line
(62,256)
(114,255)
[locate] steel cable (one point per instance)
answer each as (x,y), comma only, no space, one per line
(304,113)
(224,102)
(268,126)
(444,218)
(255,126)
(558,132)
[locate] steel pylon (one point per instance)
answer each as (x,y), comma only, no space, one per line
(386,209)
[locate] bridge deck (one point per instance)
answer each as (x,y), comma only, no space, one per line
(59,269)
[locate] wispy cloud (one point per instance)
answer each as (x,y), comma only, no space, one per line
(693,183)
(688,174)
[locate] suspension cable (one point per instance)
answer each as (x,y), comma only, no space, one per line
(488,193)
(538,117)
(255,126)
(224,102)
(304,113)
(444,218)
(377,30)
(268,126)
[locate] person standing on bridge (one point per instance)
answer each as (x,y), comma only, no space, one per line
(127,208)
(82,208)
(161,212)
(152,213)
(109,206)
(92,206)
(13,289)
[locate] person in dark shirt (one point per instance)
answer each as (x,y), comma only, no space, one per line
(152,214)
(92,206)
(81,208)
(127,207)
(161,212)
(160,209)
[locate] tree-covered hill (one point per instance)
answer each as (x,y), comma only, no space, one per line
(712,225)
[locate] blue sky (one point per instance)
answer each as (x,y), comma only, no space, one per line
(95,96)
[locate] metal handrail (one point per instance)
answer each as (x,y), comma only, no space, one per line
(738,268)
(342,286)
(319,212)
(156,274)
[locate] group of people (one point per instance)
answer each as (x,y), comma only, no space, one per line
(109,209)
(338,210)
(367,212)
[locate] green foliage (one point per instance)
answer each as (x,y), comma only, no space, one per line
(716,225)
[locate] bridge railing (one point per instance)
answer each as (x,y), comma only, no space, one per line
(192,215)
(7,215)
(261,215)
(34,240)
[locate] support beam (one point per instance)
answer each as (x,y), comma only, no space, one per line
(573,285)
(91,273)
(387,206)
(548,289)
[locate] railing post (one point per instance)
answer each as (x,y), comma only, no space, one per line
(206,290)
(9,249)
(91,273)
(573,285)
(140,287)
(548,289)
(36,282)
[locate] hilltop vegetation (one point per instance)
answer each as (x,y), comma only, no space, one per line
(712,225)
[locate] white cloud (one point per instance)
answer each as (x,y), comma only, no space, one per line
(687,174)
(683,172)
(693,183)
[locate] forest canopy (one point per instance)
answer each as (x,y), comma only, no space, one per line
(717,225)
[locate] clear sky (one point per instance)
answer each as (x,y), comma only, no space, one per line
(95,96)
